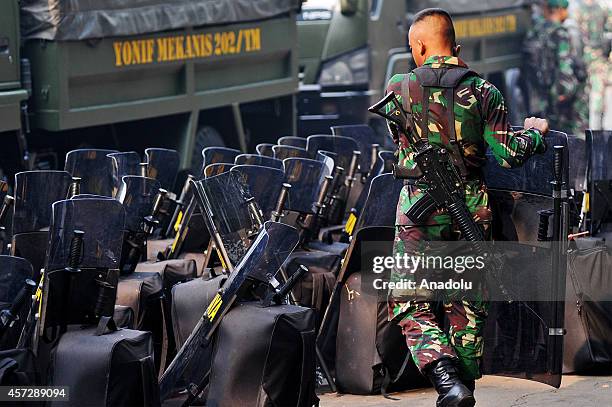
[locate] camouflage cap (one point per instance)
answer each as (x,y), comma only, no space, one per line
(558,3)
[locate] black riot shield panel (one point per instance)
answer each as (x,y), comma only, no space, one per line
(261,160)
(379,208)
(599,176)
(35,192)
(266,255)
(265,149)
(14,272)
(81,270)
(306,178)
(387,159)
(122,164)
(264,185)
(524,338)
(137,195)
(92,166)
(364,136)
(163,165)
(216,155)
(292,141)
(534,176)
(103,223)
(215,169)
(343,147)
(225,200)
(284,152)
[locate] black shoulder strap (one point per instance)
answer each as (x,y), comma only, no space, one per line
(447,79)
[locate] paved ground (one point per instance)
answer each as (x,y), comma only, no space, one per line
(492,391)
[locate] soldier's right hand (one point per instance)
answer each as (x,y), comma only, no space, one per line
(537,123)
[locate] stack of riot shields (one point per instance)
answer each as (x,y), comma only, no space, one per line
(146,285)
(588,297)
(368,351)
(524,332)
(75,332)
(248,351)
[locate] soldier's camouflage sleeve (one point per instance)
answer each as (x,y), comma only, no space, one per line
(511,149)
(566,81)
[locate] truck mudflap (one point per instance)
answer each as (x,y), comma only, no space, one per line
(79,19)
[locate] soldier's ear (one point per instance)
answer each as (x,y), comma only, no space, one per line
(422,47)
(456,50)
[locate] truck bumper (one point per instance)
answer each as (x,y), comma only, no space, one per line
(319,110)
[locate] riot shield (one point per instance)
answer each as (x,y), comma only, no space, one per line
(265,149)
(599,174)
(14,272)
(534,176)
(35,192)
(225,200)
(260,264)
(137,195)
(364,136)
(102,220)
(93,168)
(306,178)
(215,169)
(327,158)
(379,208)
(126,163)
(524,338)
(81,271)
(373,235)
(16,288)
(163,165)
(292,141)
(264,185)
(216,155)
(284,152)
(343,147)
(387,159)
(255,159)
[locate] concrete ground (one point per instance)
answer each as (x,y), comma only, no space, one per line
(494,391)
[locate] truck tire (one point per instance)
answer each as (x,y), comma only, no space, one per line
(206,136)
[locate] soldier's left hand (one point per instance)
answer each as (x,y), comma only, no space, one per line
(537,123)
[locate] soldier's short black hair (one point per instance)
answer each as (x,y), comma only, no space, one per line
(448,32)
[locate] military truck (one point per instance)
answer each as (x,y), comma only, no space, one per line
(127,74)
(349,49)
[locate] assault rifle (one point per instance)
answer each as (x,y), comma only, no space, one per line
(444,188)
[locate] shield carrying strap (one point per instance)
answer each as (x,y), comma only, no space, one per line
(447,79)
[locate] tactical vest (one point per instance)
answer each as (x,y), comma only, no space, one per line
(447,79)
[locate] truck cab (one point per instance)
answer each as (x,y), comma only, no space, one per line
(183,78)
(349,49)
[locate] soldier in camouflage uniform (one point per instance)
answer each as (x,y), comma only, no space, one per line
(595,20)
(450,360)
(555,71)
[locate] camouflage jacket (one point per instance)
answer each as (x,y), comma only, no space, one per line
(481,121)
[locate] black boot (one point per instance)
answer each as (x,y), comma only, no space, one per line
(470,384)
(452,393)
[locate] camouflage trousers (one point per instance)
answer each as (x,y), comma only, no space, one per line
(463,341)
(456,333)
